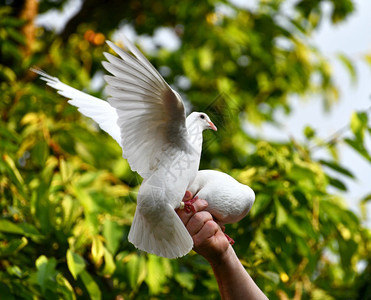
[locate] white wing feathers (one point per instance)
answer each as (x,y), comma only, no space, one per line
(98,110)
(151,116)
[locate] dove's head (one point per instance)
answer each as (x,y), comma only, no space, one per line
(202,120)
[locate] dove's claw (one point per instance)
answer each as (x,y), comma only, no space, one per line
(188,205)
(230,240)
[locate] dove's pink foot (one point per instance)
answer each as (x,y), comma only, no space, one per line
(188,205)
(230,240)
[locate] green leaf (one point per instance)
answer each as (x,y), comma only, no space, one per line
(309,132)
(294,227)
(366,198)
(97,250)
(335,166)
(65,288)
(16,35)
(281,217)
(12,247)
(5,292)
(272,276)
(156,274)
(186,280)
(358,146)
(86,200)
(7,73)
(40,152)
(25,229)
(346,249)
(349,65)
(337,183)
(14,171)
(206,58)
(10,227)
(15,271)
(45,271)
(136,270)
(91,286)
(358,124)
(262,201)
(112,233)
(109,263)
(75,262)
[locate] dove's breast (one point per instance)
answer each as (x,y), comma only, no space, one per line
(229,201)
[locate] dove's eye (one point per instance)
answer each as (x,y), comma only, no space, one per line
(202,116)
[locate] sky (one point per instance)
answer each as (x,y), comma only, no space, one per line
(351,38)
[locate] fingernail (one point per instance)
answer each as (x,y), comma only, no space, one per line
(204,202)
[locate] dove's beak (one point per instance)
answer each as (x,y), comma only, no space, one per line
(212,126)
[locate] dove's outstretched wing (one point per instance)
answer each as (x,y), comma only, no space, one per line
(151,115)
(98,110)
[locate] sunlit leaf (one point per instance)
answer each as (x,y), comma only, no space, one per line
(45,270)
(65,287)
(90,285)
(358,124)
(97,250)
(10,227)
(109,263)
(281,217)
(358,146)
(136,270)
(349,66)
(75,262)
(186,280)
(13,247)
(112,233)
(155,274)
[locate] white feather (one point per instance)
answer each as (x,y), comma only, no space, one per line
(153,105)
(229,201)
(98,110)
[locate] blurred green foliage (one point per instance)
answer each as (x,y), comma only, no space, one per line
(67,203)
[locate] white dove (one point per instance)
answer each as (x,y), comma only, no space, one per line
(147,118)
(229,200)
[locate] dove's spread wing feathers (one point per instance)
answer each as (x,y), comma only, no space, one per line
(151,115)
(98,110)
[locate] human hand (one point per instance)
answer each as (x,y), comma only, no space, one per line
(210,242)
(208,238)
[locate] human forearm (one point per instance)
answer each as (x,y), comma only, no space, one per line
(233,280)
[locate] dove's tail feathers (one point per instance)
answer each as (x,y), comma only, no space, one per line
(166,236)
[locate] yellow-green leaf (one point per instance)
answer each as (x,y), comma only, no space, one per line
(109,263)
(75,262)
(91,286)
(97,249)
(156,274)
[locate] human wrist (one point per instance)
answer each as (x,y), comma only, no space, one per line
(221,259)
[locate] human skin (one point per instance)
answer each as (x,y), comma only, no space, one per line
(209,241)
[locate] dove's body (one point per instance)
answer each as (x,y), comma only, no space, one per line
(229,201)
(147,118)
(166,187)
